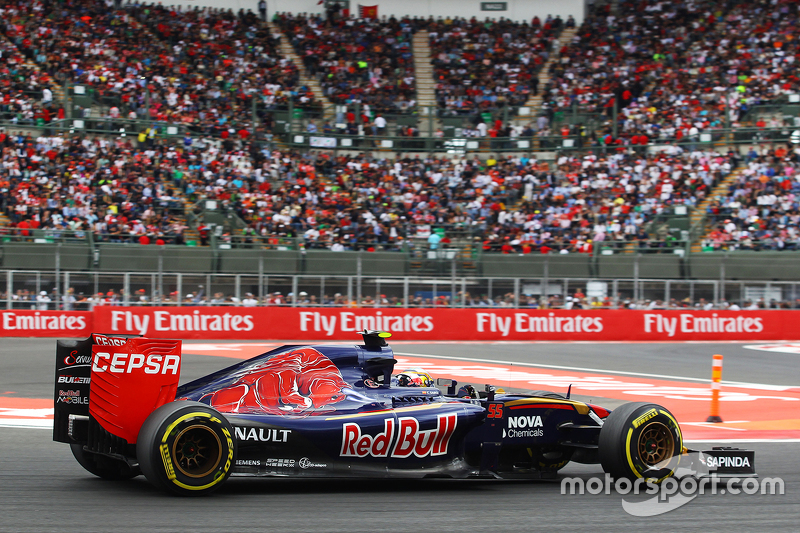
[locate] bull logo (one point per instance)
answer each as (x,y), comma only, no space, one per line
(298,382)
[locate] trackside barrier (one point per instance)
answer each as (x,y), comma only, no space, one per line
(423,324)
(716,380)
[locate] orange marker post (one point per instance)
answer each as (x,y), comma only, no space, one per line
(716,379)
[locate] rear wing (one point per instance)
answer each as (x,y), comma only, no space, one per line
(106,386)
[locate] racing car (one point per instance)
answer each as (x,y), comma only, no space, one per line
(336,411)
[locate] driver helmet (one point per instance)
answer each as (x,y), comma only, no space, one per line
(414,377)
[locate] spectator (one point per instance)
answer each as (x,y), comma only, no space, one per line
(42,301)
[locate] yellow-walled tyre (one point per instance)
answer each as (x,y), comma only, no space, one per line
(187,448)
(640,440)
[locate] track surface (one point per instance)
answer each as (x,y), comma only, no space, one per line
(42,488)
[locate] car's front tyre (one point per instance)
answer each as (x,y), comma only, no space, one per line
(640,440)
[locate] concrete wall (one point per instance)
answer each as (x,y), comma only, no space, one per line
(533,265)
(517,9)
(249,261)
(766,266)
(781,266)
(121,257)
(652,266)
(346,263)
(30,256)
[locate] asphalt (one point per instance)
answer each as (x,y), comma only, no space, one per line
(42,488)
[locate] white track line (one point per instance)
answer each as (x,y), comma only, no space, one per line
(601,371)
(710,425)
(27,424)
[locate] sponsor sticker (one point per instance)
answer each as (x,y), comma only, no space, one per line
(280,463)
(725,461)
(306,463)
(75,360)
(74,380)
(73,400)
(401,439)
(524,426)
(244,433)
(105,340)
(125,363)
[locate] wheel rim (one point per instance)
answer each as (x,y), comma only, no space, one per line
(197,450)
(656,444)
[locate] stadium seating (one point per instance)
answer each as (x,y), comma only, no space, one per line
(204,67)
(760,209)
(671,67)
(480,65)
(193,67)
(362,61)
(23,99)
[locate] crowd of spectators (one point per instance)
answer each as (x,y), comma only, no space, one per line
(25,93)
(364,61)
(197,67)
(585,201)
(511,205)
(125,191)
(106,187)
(480,65)
(761,209)
(671,66)
(75,300)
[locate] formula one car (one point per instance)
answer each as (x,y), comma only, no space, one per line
(311,411)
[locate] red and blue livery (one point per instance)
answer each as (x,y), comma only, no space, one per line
(332,411)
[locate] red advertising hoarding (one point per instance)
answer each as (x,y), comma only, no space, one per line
(19,323)
(480,324)
(484,324)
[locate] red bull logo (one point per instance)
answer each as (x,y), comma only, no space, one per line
(402,441)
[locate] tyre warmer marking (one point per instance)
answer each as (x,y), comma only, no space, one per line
(219,476)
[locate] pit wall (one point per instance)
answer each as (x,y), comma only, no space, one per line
(339,324)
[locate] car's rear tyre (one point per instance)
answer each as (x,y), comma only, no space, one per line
(187,448)
(640,440)
(102,466)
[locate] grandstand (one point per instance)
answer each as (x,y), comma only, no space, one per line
(640,145)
